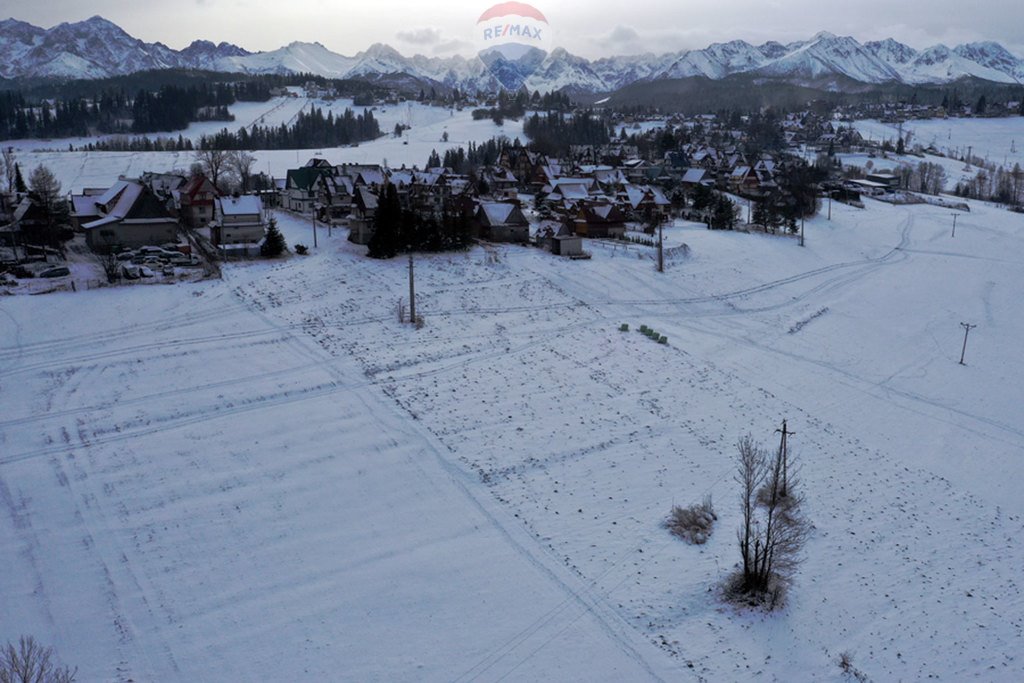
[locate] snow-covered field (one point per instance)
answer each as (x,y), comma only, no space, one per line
(999,141)
(78,170)
(268,478)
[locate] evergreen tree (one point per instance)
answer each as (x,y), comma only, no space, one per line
(273,244)
(387,223)
(19,181)
(901,148)
(982,106)
(724,215)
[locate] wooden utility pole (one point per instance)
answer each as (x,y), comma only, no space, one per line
(315,245)
(967,331)
(801,231)
(784,455)
(955,216)
(830,204)
(412,292)
(661,250)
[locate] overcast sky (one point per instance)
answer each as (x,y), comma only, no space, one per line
(590,29)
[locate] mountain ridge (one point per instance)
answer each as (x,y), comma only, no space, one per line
(98,48)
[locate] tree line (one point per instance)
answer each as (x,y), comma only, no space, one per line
(466,161)
(310,130)
(554,132)
(167,108)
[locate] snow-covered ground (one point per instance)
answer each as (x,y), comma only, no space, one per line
(999,141)
(78,170)
(267,477)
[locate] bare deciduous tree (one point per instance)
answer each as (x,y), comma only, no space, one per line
(30,662)
(7,167)
(773,529)
(213,162)
(241,164)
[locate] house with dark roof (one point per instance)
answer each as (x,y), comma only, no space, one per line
(302,187)
(129,215)
(599,221)
(364,212)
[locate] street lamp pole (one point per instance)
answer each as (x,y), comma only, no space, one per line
(315,245)
(967,332)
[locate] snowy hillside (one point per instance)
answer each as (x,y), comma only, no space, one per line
(78,170)
(269,478)
(999,141)
(96,48)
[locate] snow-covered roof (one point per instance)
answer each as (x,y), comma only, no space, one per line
(372,177)
(498,214)
(84,205)
(246,205)
(740,172)
(573,191)
(694,175)
(107,197)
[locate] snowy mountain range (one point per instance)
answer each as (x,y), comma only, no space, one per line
(97,48)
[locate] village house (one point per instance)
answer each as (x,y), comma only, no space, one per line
(645,203)
(599,221)
(239,224)
(195,201)
(502,222)
(364,211)
(301,188)
(130,216)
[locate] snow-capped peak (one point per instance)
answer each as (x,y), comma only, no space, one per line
(97,48)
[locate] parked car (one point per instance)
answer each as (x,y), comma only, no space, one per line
(145,272)
(56,271)
(125,255)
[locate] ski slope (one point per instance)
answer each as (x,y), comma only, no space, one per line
(267,477)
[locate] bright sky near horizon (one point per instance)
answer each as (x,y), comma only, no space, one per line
(590,29)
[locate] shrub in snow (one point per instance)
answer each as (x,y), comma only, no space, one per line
(301,249)
(846,664)
(624,328)
(663,340)
(693,524)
